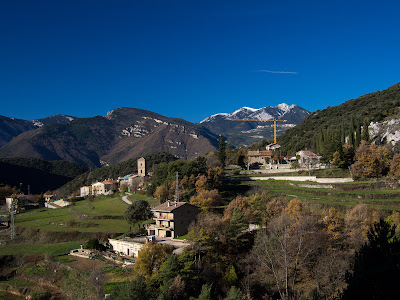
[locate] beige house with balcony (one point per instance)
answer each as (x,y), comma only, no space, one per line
(172,219)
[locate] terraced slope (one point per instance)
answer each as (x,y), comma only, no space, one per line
(349,194)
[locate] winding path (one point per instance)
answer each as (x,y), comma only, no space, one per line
(125,199)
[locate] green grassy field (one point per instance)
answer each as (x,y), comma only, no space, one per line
(152,201)
(98,215)
(335,194)
(28,249)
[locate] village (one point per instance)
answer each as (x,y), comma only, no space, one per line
(172,218)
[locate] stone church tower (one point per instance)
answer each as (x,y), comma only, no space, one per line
(141,166)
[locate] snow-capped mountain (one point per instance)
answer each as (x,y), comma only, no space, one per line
(243,133)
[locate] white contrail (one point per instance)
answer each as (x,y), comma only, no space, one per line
(276,72)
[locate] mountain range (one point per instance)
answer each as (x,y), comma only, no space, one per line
(11,127)
(244,133)
(122,134)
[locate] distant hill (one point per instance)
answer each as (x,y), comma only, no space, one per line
(122,134)
(11,127)
(375,106)
(39,174)
(244,133)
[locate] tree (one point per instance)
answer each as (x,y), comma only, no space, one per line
(133,290)
(138,211)
(370,161)
(150,258)
(234,294)
(285,249)
(205,293)
(41,200)
(333,222)
(376,267)
(365,131)
(221,150)
(94,243)
(161,193)
(237,234)
(343,157)
(395,166)
(206,199)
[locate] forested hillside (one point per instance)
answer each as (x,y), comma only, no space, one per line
(40,175)
(336,120)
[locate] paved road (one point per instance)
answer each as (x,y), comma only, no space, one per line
(125,199)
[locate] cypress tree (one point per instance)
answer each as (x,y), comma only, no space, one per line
(351,132)
(358,136)
(222,150)
(343,134)
(365,132)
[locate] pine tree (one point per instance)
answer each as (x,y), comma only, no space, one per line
(376,267)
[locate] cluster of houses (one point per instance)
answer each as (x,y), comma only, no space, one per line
(108,187)
(266,158)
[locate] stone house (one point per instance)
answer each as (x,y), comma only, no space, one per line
(308,159)
(262,157)
(172,219)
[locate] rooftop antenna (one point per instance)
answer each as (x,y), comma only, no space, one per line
(177,187)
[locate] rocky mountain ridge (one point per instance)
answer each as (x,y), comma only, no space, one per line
(120,135)
(244,133)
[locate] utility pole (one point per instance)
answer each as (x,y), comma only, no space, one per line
(12,209)
(177,187)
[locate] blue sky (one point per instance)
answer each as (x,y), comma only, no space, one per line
(192,59)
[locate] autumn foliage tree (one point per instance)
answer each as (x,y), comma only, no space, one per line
(206,199)
(395,166)
(161,193)
(150,258)
(370,161)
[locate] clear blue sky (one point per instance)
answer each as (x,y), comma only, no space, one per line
(191,59)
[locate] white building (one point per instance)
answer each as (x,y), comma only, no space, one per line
(126,246)
(103,188)
(86,191)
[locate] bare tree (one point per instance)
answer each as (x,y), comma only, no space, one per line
(285,248)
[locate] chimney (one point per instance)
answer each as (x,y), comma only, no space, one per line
(169,204)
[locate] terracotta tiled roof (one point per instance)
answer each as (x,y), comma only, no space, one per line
(259,153)
(309,154)
(169,206)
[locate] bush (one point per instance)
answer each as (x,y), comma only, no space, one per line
(40,295)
